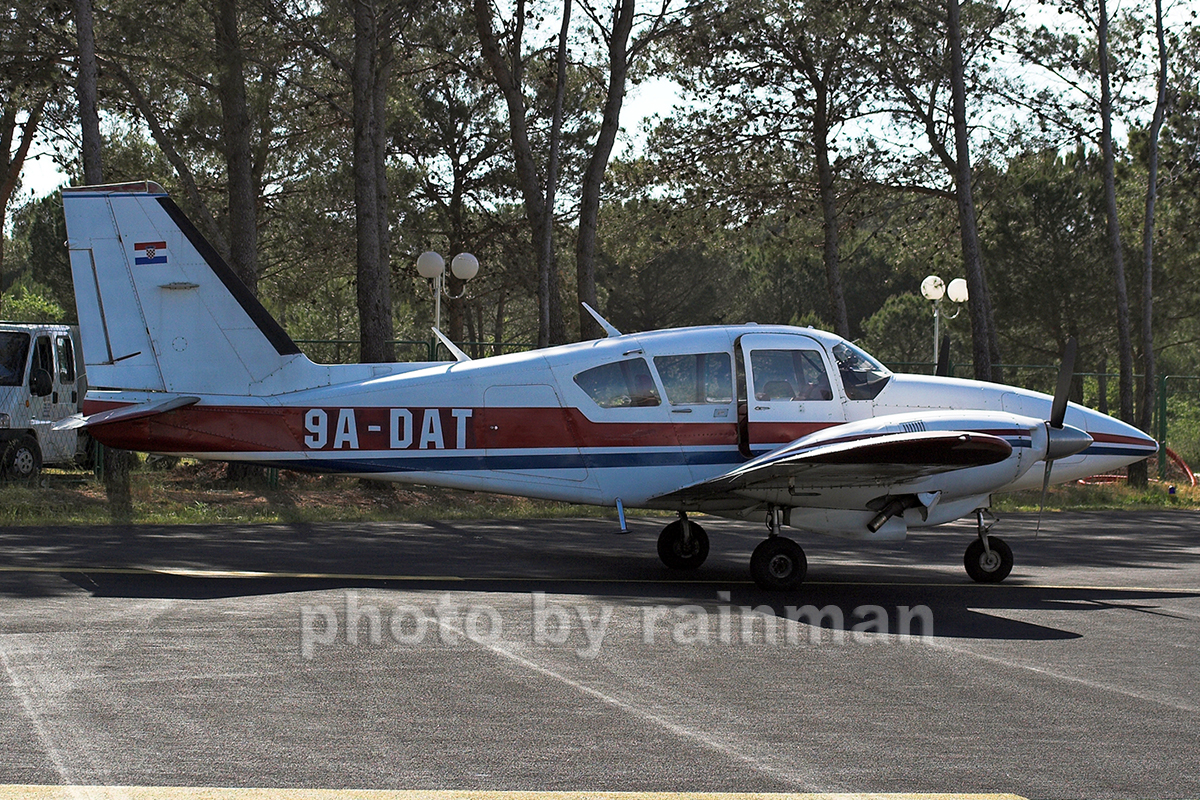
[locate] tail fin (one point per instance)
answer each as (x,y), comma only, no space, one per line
(159,309)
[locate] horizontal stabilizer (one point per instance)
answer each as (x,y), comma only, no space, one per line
(126,413)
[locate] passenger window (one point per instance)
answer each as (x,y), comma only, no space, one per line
(624,384)
(789,375)
(66,359)
(696,378)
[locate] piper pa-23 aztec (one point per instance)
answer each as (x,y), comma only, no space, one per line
(793,425)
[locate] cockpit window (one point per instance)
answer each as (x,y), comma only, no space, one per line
(696,378)
(862,376)
(789,375)
(623,384)
(14,349)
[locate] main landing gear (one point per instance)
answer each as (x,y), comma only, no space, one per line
(988,558)
(777,563)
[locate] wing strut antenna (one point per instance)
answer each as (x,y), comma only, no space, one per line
(609,330)
(459,355)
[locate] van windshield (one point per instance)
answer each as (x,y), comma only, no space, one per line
(14,349)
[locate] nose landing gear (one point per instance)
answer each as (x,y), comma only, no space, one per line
(988,559)
(683,544)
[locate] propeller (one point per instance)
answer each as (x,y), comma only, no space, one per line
(1061,440)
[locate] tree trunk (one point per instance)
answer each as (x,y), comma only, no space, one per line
(540,219)
(89,115)
(829,213)
(374,280)
(13,166)
(593,176)
(972,262)
(548,283)
(239,161)
(1139,472)
(1124,338)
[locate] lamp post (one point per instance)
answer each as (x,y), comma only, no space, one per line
(432,266)
(934,289)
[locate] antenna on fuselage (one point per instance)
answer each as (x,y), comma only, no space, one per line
(459,355)
(602,322)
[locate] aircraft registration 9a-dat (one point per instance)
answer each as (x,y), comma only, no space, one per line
(795,426)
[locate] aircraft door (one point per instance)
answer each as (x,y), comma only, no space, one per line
(784,391)
(700,396)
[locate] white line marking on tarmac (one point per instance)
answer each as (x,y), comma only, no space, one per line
(1104,687)
(703,739)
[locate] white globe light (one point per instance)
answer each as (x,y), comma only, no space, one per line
(464,266)
(957,290)
(933,288)
(430,264)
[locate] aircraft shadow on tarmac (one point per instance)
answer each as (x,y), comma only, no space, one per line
(580,559)
(964,611)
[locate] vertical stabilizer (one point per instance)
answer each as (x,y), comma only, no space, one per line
(159,309)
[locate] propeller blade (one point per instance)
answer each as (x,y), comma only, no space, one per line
(1058,411)
(943,362)
(1045,492)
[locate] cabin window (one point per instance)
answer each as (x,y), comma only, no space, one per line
(862,376)
(623,384)
(14,349)
(789,375)
(696,378)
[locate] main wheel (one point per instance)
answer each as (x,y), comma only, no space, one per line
(986,567)
(678,554)
(777,564)
(22,459)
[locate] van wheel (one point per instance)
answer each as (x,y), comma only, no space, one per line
(22,460)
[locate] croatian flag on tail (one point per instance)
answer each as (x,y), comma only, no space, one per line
(146,253)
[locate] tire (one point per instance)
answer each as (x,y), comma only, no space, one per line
(675,554)
(22,460)
(985,569)
(778,564)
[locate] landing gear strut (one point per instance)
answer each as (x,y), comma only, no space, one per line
(683,544)
(777,563)
(988,558)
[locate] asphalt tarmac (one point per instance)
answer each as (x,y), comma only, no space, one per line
(555,655)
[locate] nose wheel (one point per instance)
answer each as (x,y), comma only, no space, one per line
(683,544)
(988,559)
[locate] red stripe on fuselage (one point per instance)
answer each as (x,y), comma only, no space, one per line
(214,429)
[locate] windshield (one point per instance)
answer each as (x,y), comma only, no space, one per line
(14,348)
(862,376)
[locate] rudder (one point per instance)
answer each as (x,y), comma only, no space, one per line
(159,309)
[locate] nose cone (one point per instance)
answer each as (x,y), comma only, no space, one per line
(1114,439)
(1066,441)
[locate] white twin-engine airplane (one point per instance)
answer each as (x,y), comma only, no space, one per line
(793,425)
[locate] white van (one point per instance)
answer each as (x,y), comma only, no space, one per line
(41,382)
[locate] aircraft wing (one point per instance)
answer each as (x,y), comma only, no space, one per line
(127,413)
(859,461)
